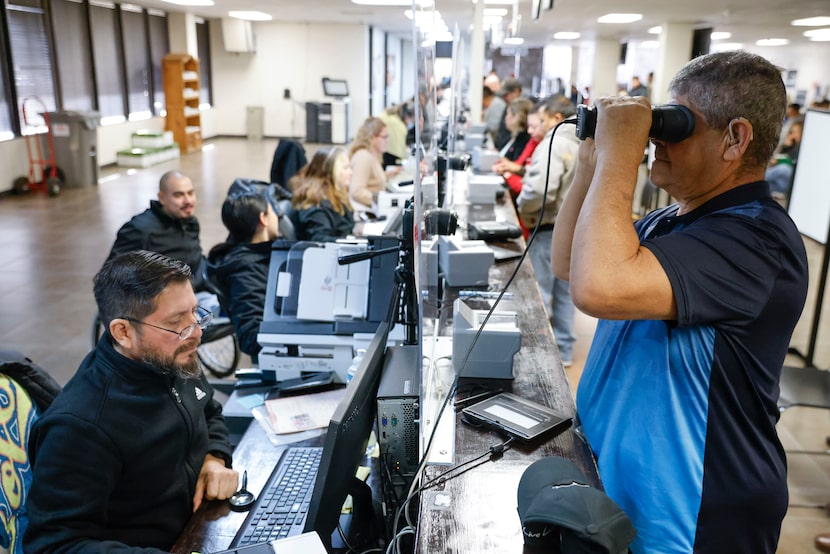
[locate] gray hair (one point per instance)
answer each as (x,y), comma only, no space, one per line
(727,85)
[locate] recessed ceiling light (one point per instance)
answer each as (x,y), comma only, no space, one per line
(566,35)
(514,41)
(423,17)
(720,35)
(772,42)
(620,18)
(250,16)
(190,2)
(818,35)
(811,21)
(655,30)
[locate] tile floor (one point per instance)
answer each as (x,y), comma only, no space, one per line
(50,248)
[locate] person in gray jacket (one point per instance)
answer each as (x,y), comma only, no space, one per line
(552,163)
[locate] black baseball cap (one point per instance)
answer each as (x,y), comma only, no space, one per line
(560,510)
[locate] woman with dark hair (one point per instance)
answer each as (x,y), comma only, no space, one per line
(322,210)
(239,266)
(516,120)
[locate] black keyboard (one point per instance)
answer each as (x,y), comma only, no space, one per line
(282,506)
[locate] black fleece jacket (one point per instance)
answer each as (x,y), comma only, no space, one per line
(116,456)
(156,231)
(241,271)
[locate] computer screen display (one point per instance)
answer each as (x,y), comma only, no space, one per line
(346,439)
(338,88)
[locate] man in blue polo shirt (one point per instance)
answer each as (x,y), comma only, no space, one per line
(697,303)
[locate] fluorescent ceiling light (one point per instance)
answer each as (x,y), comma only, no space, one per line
(514,41)
(818,35)
(566,35)
(811,21)
(493,12)
(655,30)
(250,16)
(620,18)
(429,17)
(190,2)
(720,35)
(772,42)
(421,3)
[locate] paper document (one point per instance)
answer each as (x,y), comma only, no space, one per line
(292,414)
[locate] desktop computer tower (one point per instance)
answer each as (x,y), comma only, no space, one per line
(398,428)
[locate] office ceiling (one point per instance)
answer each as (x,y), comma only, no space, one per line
(747,20)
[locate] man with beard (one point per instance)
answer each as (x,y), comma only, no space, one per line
(169,226)
(135,442)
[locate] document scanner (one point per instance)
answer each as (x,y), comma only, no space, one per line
(315,309)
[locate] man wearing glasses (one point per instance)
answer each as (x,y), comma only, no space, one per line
(135,442)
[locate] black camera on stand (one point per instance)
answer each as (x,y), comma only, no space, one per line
(446,162)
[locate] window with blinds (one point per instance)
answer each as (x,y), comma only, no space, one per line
(159,47)
(74,61)
(137,62)
(31,60)
(109,69)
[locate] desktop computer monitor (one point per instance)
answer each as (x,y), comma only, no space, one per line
(346,441)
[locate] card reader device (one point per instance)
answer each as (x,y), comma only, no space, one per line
(516,416)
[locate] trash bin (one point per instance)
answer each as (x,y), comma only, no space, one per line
(76,146)
(255,123)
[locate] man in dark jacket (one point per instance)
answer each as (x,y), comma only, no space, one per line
(169,226)
(135,442)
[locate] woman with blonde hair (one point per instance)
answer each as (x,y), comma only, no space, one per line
(366,153)
(322,210)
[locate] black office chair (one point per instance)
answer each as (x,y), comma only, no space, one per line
(278,196)
(289,158)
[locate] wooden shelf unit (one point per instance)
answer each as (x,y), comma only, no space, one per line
(181,78)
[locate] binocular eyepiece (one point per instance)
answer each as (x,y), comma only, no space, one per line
(669,122)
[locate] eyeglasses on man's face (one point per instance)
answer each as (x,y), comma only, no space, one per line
(203,317)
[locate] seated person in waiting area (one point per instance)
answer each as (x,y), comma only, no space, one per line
(322,210)
(239,266)
(168,226)
(135,441)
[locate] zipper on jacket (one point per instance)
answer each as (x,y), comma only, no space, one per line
(176,394)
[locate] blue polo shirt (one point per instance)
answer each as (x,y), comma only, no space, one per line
(681,414)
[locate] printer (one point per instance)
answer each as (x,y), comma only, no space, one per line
(316,311)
